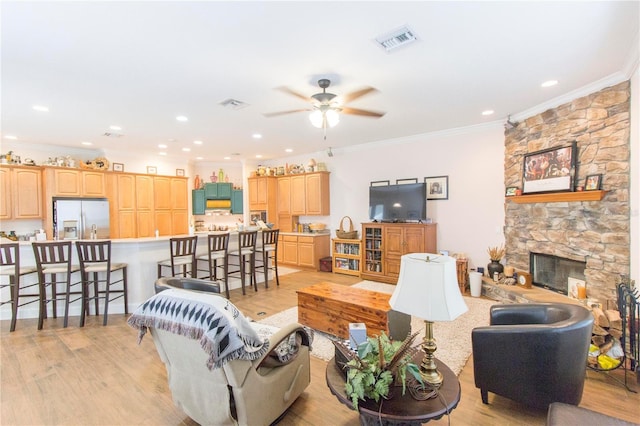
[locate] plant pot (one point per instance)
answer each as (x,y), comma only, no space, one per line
(494,266)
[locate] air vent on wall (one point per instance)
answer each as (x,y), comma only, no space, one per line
(112,135)
(233,104)
(397,38)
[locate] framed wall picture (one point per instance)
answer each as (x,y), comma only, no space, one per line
(118,167)
(593,182)
(179,172)
(152,170)
(510,191)
(437,187)
(549,170)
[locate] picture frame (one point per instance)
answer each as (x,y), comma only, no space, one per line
(152,170)
(510,191)
(437,187)
(550,170)
(593,182)
(179,172)
(118,167)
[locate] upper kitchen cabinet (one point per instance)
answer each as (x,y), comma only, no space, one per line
(65,182)
(218,191)
(21,192)
(262,193)
(317,194)
(170,204)
(237,202)
(305,194)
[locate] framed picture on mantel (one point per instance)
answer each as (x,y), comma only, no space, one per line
(549,170)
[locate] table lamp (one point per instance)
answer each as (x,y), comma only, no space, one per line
(428,288)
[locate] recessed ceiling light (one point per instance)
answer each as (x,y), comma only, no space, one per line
(257,136)
(549,83)
(198,158)
(86,143)
(115,127)
(182,118)
(258,155)
(10,137)
(162,153)
(186,149)
(162,146)
(41,108)
(288,150)
(227,158)
(197,142)
(487,112)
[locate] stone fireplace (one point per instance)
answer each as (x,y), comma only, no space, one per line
(594,232)
(556,273)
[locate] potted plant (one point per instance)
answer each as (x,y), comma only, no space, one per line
(379,363)
(495,255)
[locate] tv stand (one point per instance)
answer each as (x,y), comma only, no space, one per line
(385,243)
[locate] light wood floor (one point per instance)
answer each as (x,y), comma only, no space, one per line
(99,376)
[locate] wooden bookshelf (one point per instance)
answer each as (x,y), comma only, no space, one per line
(557,197)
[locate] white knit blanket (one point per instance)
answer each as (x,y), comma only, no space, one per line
(224,333)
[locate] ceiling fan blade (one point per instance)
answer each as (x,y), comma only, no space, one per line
(293,93)
(355,111)
(357,94)
(275,114)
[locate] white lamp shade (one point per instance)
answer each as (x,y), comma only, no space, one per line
(428,289)
(316,118)
(333,117)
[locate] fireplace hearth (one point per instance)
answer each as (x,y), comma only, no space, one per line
(556,273)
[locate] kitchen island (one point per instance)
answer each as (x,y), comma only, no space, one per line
(142,256)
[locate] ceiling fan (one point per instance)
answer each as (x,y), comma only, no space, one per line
(325,108)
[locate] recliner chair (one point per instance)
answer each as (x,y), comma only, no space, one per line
(240,391)
(533,353)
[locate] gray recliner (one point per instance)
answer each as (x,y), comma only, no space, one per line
(535,354)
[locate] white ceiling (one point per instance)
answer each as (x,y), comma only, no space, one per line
(138,65)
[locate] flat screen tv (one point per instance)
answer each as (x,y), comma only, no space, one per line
(398,203)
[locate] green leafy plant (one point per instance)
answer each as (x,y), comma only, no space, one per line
(379,363)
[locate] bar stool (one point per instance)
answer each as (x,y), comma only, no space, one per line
(217,249)
(10,267)
(269,252)
(183,253)
(54,259)
(95,258)
(246,253)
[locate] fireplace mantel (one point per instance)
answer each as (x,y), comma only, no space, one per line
(556,197)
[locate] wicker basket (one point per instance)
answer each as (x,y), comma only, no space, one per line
(347,235)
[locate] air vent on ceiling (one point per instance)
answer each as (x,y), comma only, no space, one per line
(397,38)
(233,104)
(112,135)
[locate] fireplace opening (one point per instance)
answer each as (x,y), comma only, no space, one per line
(556,273)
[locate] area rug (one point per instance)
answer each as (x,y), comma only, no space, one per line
(453,338)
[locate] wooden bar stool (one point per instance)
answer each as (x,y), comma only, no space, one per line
(246,253)
(53,259)
(11,268)
(269,251)
(217,249)
(95,259)
(183,253)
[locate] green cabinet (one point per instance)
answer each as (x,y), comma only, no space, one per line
(236,201)
(198,201)
(218,191)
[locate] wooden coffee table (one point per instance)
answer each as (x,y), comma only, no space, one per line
(399,409)
(331,307)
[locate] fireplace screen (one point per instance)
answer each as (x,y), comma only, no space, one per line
(554,273)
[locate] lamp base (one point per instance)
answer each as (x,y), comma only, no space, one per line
(428,370)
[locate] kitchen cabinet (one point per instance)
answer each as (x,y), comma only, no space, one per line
(303,250)
(284,196)
(304,194)
(21,192)
(298,195)
(122,205)
(162,193)
(237,201)
(67,182)
(170,205)
(197,201)
(386,243)
(263,196)
(317,195)
(218,191)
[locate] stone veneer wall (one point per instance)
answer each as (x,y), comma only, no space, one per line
(597,232)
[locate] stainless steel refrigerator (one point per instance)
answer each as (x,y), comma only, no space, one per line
(81,218)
